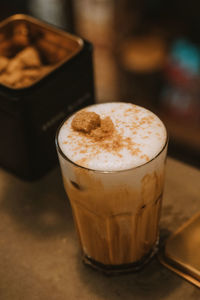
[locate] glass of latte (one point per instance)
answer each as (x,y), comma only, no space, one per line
(112,158)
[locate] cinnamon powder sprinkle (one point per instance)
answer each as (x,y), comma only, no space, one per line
(145,157)
(105,130)
(81,161)
(101,132)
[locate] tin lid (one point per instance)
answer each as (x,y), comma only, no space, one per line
(181,252)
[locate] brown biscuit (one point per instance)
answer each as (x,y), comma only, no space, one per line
(3,63)
(29,57)
(31,73)
(23,82)
(14,65)
(11,79)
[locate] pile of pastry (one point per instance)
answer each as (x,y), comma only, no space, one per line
(23,69)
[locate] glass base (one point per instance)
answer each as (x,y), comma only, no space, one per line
(120,269)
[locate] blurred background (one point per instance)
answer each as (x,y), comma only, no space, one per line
(145,51)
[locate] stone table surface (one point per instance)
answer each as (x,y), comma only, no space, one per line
(39,253)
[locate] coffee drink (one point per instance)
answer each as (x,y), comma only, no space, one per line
(112,157)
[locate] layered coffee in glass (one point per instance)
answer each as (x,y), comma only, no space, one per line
(112,158)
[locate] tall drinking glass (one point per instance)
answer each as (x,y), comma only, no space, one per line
(116,213)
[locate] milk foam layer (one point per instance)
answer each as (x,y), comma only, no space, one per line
(141,135)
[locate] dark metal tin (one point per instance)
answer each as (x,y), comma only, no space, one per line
(29,116)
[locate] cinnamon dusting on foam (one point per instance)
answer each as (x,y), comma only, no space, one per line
(101,132)
(112,136)
(105,130)
(95,128)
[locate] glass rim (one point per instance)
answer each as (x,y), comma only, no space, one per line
(59,150)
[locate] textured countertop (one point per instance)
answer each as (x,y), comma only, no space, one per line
(39,254)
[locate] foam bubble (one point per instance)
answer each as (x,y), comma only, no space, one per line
(141,135)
